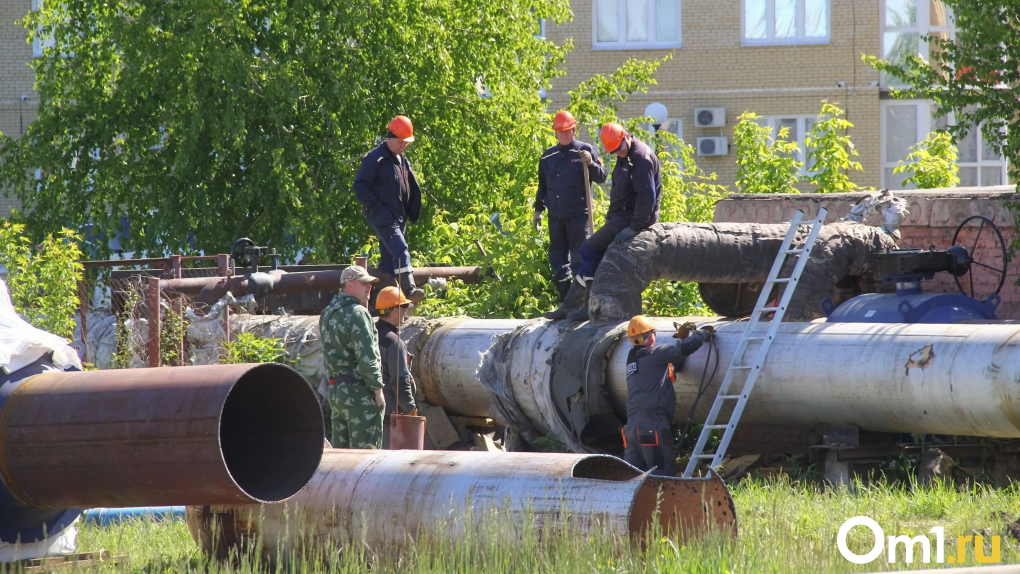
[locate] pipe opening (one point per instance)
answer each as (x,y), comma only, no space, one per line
(685,505)
(271,432)
(602,467)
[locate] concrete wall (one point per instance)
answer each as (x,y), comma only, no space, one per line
(712,69)
(934,217)
(17,79)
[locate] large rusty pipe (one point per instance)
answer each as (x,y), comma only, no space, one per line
(210,289)
(147,437)
(924,378)
(387,498)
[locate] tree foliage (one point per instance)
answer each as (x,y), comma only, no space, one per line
(831,152)
(42,280)
(765,164)
(931,163)
(214,119)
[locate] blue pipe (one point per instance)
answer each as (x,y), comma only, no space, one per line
(108,516)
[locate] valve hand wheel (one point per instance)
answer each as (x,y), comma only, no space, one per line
(982,226)
(237,250)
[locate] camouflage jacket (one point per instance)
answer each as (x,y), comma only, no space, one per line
(350,343)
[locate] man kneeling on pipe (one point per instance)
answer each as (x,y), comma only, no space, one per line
(398,384)
(651,398)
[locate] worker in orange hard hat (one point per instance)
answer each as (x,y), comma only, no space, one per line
(398,384)
(651,398)
(561,191)
(389,191)
(633,207)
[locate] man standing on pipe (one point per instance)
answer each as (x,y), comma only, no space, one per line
(388,190)
(633,206)
(564,190)
(350,350)
(651,398)
(396,373)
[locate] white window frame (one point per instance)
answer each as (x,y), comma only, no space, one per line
(925,125)
(621,22)
(39,44)
(770,27)
(922,27)
(541,29)
(802,131)
(680,134)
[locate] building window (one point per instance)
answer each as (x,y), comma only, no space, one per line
(40,43)
(797,127)
(636,24)
(674,126)
(905,22)
(540,29)
(907,122)
(775,22)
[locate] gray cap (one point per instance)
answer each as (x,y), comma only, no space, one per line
(357,273)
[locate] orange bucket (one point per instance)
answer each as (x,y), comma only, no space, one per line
(407,432)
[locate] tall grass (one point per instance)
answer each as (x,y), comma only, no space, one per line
(783,527)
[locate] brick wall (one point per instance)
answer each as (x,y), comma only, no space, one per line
(934,218)
(712,69)
(16,79)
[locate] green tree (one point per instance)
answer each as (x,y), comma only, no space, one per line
(830,151)
(765,164)
(43,281)
(931,163)
(213,119)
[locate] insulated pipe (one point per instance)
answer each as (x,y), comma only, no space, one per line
(387,498)
(921,378)
(148,437)
(211,289)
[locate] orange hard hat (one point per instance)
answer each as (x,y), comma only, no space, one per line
(612,136)
(390,297)
(638,327)
(564,121)
(401,127)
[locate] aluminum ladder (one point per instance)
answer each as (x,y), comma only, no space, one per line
(740,396)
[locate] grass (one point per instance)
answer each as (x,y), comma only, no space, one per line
(784,527)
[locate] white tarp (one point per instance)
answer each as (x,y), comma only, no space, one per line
(22,344)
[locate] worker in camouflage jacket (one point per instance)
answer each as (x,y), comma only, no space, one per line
(350,349)
(651,398)
(398,385)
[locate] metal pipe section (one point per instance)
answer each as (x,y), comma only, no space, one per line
(388,498)
(215,434)
(211,289)
(922,378)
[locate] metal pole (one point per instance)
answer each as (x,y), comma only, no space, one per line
(155,327)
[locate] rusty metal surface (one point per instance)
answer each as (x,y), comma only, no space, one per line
(210,289)
(941,379)
(162,436)
(387,498)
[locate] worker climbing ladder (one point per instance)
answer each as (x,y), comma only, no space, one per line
(738,397)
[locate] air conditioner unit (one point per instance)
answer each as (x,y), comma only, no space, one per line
(713,146)
(709,117)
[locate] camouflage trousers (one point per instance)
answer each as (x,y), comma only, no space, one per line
(355,419)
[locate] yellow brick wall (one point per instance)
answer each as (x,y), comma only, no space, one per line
(16,79)
(712,69)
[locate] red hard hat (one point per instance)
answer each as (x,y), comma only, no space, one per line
(564,121)
(612,136)
(401,127)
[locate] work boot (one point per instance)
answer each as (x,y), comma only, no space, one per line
(563,287)
(574,299)
(413,293)
(581,313)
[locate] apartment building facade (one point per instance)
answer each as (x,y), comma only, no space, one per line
(18,99)
(778,59)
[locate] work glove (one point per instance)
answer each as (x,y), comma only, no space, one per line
(536,220)
(683,330)
(586,158)
(412,412)
(707,332)
(624,235)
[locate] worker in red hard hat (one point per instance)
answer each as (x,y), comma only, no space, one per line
(633,207)
(388,190)
(561,191)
